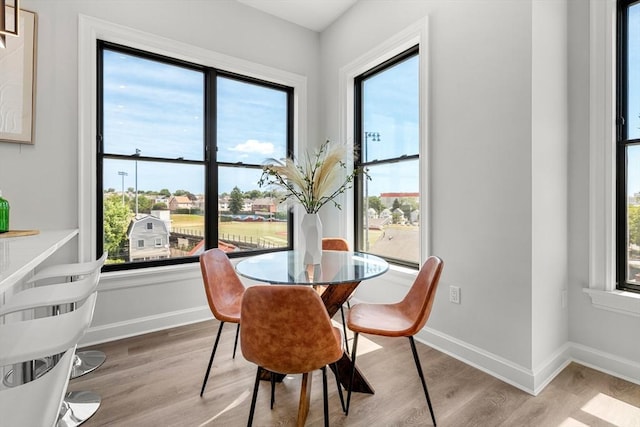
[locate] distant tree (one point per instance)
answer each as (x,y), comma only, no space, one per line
(236,201)
(396,204)
(144,204)
(223,195)
(110,190)
(396,217)
(634,224)
(116,221)
(131,189)
(376,203)
(192,196)
(253,194)
(159,206)
(406,209)
(165,192)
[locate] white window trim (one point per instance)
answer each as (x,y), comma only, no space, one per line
(416,34)
(90,30)
(602,48)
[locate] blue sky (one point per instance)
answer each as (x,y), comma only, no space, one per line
(158,109)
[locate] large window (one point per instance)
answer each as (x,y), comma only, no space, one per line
(628,146)
(180,153)
(387,132)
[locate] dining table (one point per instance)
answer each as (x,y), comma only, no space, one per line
(335,278)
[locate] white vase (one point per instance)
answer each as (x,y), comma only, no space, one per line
(311,229)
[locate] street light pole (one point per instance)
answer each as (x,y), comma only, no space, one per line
(137,155)
(122,174)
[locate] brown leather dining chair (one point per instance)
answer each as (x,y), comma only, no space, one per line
(338,244)
(402,319)
(286,329)
(224,294)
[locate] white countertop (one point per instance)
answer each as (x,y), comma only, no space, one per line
(20,255)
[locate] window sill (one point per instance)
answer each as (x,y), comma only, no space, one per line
(618,301)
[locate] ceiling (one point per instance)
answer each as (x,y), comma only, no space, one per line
(315,15)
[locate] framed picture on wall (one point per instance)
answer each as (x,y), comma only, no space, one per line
(17,82)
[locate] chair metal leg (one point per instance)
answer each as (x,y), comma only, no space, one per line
(337,374)
(235,344)
(344,330)
(213,353)
(254,398)
(424,384)
(353,370)
(325,396)
(273,389)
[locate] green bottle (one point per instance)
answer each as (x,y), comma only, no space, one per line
(4,214)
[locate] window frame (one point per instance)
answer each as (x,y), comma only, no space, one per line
(622,142)
(381,50)
(358,138)
(90,31)
(601,287)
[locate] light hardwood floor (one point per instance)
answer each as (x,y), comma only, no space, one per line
(155,380)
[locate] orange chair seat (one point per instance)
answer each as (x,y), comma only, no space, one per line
(380,319)
(230,311)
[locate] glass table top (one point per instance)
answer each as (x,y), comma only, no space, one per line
(287,267)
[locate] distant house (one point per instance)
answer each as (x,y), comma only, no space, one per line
(387,199)
(180,202)
(199,202)
(264,205)
(148,238)
(223,204)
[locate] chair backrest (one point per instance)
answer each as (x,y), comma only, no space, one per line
(419,300)
(72,270)
(32,339)
(221,283)
(286,329)
(335,244)
(51,295)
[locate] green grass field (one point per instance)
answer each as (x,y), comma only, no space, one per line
(275,232)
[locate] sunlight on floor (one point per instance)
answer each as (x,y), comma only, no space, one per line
(571,422)
(364,345)
(613,411)
(244,396)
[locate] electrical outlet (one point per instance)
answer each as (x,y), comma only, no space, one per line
(454,294)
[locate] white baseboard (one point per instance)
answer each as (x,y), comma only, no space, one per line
(626,369)
(532,382)
(144,325)
(496,366)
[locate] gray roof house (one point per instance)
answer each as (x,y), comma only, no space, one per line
(148,238)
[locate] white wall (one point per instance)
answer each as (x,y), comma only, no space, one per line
(549,147)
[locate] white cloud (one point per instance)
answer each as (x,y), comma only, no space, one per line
(254,146)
